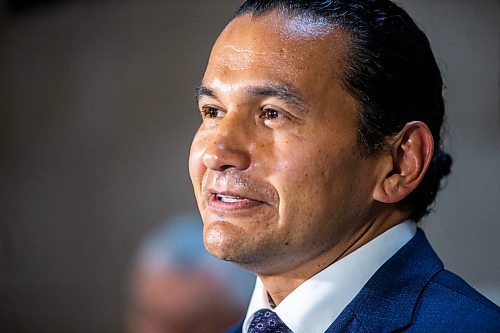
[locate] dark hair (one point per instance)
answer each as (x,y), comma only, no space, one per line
(390,70)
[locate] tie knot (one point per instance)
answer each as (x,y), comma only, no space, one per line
(267,321)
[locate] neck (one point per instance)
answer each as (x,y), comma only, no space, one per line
(279,286)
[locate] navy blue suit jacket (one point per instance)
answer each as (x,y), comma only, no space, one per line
(412,292)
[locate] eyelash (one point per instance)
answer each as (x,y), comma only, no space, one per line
(277,114)
(210,112)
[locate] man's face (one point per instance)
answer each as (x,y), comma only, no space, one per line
(274,164)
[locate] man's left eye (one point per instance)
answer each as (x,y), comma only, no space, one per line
(272,114)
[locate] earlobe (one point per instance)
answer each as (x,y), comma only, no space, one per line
(411,154)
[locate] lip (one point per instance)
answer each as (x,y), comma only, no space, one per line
(243,203)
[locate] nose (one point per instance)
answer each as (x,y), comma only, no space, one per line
(228,146)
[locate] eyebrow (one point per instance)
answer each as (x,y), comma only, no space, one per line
(203,91)
(284,92)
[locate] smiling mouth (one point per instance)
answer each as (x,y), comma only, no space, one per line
(229,198)
(226,202)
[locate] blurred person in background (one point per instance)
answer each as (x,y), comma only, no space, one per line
(176,287)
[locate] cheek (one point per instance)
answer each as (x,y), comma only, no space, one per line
(196,166)
(309,176)
(298,178)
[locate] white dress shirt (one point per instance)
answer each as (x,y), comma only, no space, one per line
(315,304)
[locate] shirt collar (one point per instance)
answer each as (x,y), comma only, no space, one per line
(316,303)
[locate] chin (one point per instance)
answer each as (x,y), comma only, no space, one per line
(221,239)
(226,241)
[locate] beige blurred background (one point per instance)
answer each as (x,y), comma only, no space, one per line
(97,112)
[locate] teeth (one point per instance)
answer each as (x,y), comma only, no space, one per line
(228,198)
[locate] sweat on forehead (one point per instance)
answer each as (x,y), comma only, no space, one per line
(277,39)
(300,27)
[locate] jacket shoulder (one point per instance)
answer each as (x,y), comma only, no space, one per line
(448,303)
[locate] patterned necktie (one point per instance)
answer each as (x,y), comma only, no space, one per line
(267,321)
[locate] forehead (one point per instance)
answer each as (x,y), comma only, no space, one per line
(279,45)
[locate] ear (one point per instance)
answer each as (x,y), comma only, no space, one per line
(405,168)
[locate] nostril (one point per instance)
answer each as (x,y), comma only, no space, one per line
(225,167)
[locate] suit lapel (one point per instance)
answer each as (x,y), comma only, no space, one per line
(387,301)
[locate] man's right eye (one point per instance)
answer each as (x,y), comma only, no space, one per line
(212,112)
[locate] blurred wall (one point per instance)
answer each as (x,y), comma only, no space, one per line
(96,116)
